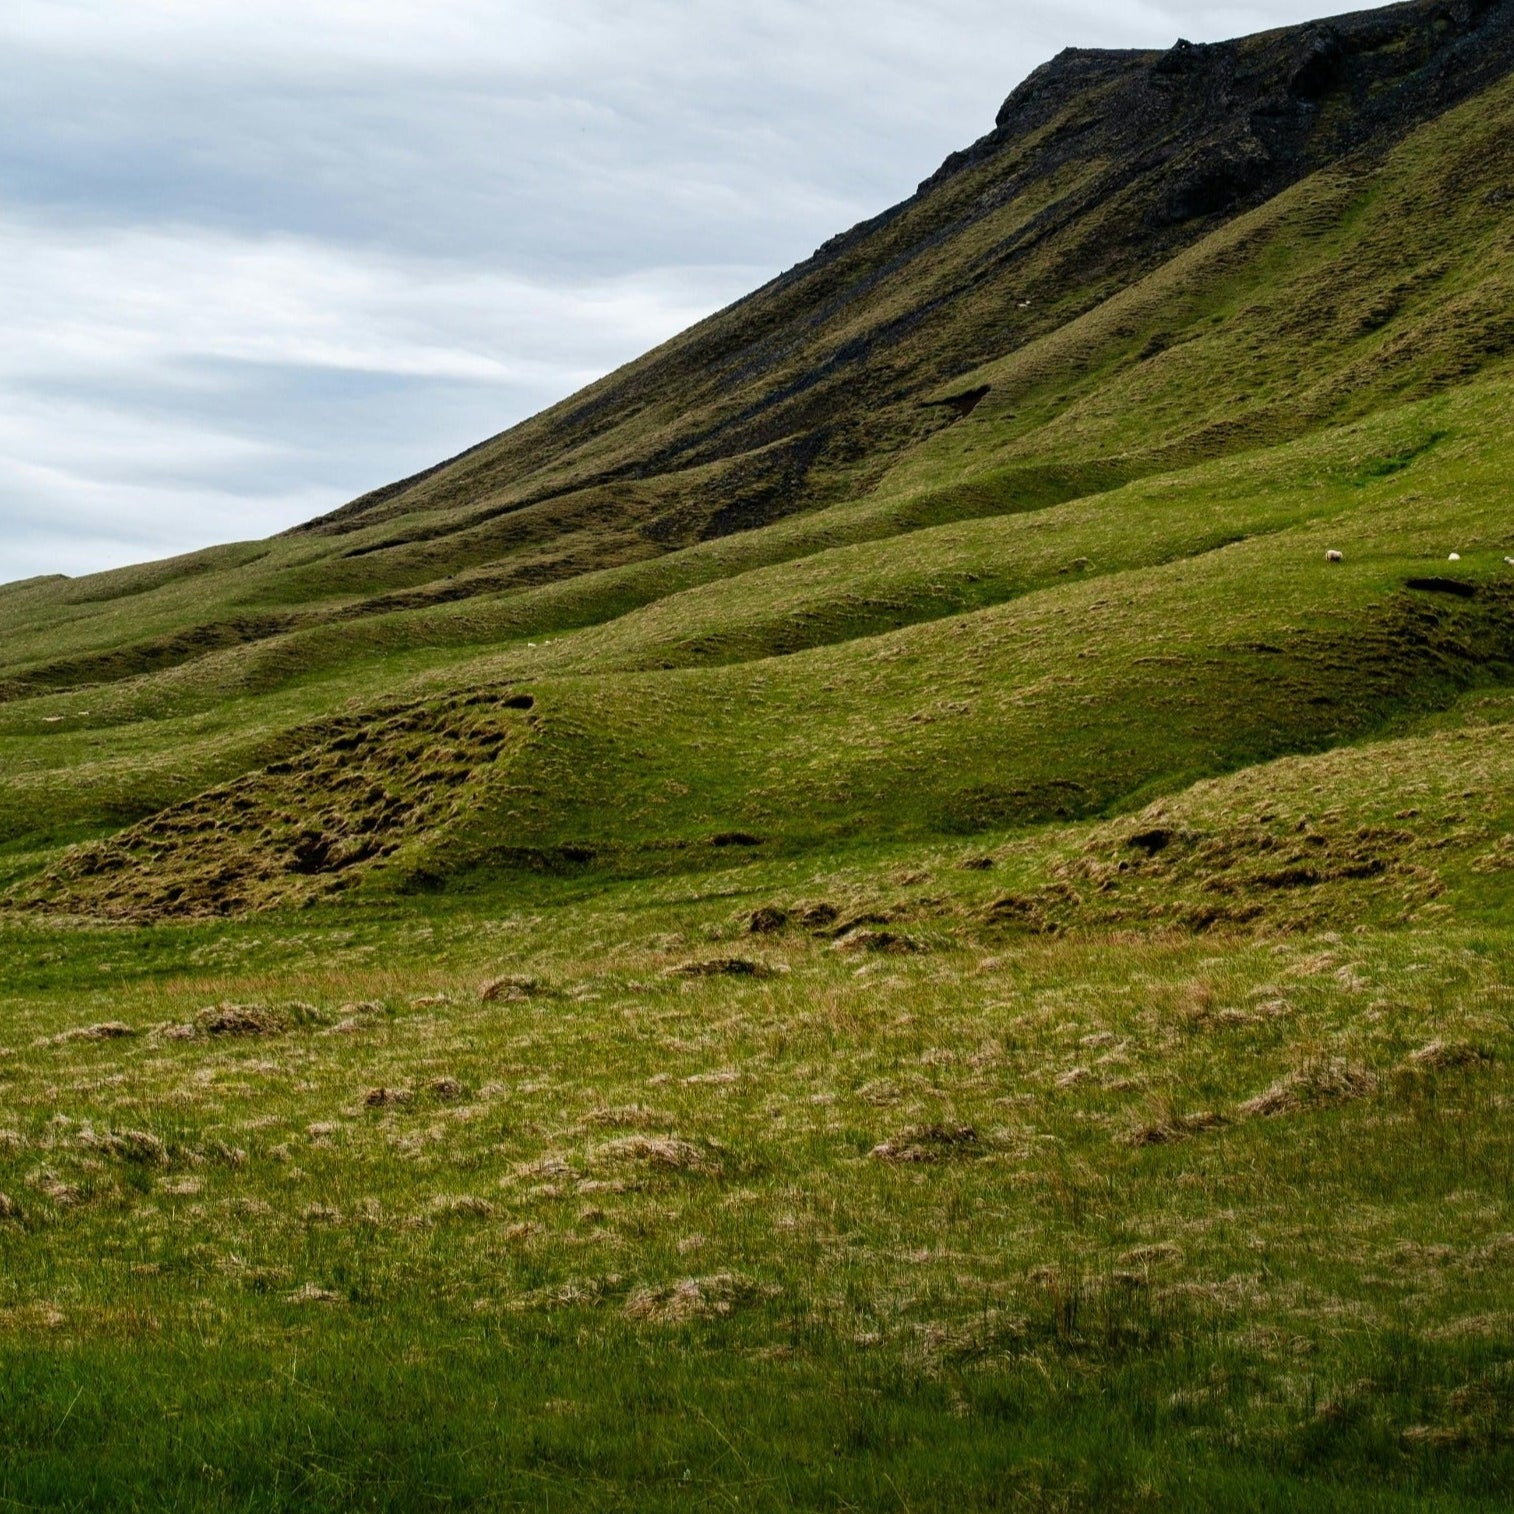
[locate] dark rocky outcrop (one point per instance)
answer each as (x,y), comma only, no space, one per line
(786,399)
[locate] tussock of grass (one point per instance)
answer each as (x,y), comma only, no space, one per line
(1319,1082)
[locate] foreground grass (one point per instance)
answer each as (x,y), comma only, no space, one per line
(1001,1221)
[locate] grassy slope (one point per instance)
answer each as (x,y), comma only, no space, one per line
(1242,301)
(1092,804)
(802,395)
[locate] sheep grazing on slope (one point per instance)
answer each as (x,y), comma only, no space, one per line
(1333,556)
(1454,557)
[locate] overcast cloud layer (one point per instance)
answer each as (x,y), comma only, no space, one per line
(257,257)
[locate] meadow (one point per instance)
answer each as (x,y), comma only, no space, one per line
(773,1187)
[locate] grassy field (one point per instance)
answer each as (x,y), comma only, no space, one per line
(908,904)
(605,1199)
(990,1173)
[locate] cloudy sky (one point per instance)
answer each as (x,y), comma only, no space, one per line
(258,256)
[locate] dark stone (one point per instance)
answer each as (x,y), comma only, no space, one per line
(1457,586)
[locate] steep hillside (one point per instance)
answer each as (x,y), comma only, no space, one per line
(1100,169)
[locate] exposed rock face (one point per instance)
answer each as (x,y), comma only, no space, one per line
(1228,123)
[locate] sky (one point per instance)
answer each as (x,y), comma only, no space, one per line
(258,257)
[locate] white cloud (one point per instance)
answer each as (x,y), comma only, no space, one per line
(124,298)
(108,332)
(261,255)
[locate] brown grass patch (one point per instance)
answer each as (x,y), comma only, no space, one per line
(1318,1083)
(669,1152)
(927,1143)
(716,967)
(694,1298)
(241,1020)
(511,987)
(107,1030)
(893,942)
(129,1145)
(1437,1054)
(460,1206)
(381,1098)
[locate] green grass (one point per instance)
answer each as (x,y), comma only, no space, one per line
(475,1291)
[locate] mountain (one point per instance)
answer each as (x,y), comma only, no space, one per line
(1010,505)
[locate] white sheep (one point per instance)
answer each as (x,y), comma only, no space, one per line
(1454,557)
(1333,556)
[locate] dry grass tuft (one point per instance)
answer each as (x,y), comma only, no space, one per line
(107,1030)
(927,1143)
(694,1298)
(1491,1326)
(1320,1082)
(9,1209)
(461,1206)
(1437,1054)
(380,1098)
(1164,1124)
(129,1145)
(716,967)
(816,914)
(670,1152)
(50,1186)
(864,940)
(311,1293)
(511,987)
(241,1020)
(625,1117)
(991,1334)
(1154,1254)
